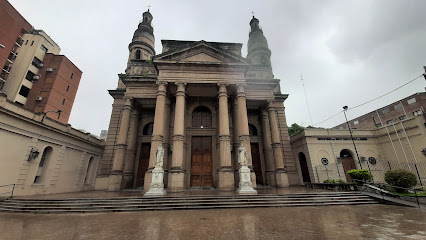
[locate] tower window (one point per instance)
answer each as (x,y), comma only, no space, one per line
(68,88)
(63,101)
(138,54)
(32,43)
(72,75)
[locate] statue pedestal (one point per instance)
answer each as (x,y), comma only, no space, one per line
(245,187)
(156,188)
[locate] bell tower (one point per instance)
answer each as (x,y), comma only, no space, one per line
(141,49)
(258,53)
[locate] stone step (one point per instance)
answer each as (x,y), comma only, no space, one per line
(185,207)
(140,201)
(139,205)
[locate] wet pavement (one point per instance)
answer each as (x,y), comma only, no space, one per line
(331,222)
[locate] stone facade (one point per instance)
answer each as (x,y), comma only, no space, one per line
(43,156)
(199,100)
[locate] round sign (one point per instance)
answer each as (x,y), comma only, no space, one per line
(372,160)
(324,161)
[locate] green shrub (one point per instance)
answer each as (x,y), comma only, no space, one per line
(334,181)
(360,175)
(400,178)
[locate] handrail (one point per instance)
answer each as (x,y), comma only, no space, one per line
(383,191)
(11,192)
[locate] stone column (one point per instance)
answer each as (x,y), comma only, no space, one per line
(157,132)
(176,173)
(280,172)
(131,150)
(236,138)
(226,175)
(243,127)
(267,147)
(116,175)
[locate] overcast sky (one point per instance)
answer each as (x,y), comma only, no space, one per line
(348,51)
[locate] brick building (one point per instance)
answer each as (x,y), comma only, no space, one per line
(40,80)
(410,106)
(12,29)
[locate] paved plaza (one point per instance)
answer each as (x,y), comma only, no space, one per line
(332,222)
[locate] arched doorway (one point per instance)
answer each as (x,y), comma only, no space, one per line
(347,163)
(201,149)
(304,168)
(255,155)
(144,155)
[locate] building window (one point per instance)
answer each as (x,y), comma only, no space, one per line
(389,121)
(30,76)
(72,75)
(385,111)
(411,101)
(147,130)
(201,117)
(63,101)
(68,88)
(24,91)
(32,43)
(36,62)
(89,171)
(398,106)
(138,54)
(402,117)
(252,130)
(43,165)
(43,48)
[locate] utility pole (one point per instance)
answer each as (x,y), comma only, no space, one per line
(345,108)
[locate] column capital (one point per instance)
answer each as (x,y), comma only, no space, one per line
(128,102)
(180,91)
(223,91)
(181,84)
(271,106)
(241,87)
(162,88)
(161,83)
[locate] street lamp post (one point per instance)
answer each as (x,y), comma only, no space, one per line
(345,108)
(57,111)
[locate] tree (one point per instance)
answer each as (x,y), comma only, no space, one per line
(295,128)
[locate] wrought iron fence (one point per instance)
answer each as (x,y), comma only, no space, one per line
(335,171)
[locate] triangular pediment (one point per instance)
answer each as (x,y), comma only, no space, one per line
(199,52)
(201,57)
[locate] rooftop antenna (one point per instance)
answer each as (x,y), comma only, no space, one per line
(307,103)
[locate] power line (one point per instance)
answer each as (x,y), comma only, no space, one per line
(306,97)
(423,74)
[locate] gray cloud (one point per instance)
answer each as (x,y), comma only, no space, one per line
(348,51)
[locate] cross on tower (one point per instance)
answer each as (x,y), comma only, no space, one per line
(149,6)
(252,12)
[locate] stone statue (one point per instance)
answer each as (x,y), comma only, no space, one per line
(242,156)
(245,186)
(159,157)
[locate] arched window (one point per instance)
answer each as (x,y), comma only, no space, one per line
(89,171)
(138,54)
(252,130)
(147,130)
(201,117)
(43,165)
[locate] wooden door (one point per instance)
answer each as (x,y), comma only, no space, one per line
(143,163)
(201,162)
(348,164)
(255,158)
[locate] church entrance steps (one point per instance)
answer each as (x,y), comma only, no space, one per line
(129,204)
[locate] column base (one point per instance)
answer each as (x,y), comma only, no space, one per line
(226,180)
(270,178)
(282,179)
(147,180)
(127,180)
(176,181)
(114,182)
(156,188)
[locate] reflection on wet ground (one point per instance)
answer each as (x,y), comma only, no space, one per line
(332,222)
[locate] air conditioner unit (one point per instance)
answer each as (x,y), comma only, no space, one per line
(36,77)
(39,98)
(49,70)
(40,65)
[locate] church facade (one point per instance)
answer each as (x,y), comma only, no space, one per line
(201,101)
